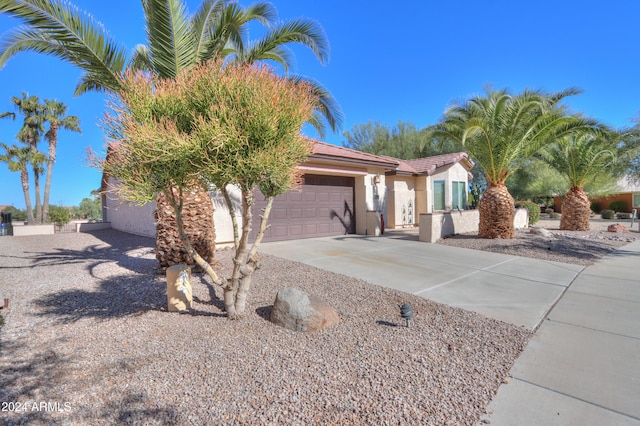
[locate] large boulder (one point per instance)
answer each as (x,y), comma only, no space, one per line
(617,227)
(296,310)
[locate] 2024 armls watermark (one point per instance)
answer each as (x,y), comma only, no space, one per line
(29,406)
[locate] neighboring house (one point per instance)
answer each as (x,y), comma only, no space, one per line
(343,191)
(629,194)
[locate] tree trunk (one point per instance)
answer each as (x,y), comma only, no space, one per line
(24,179)
(197,215)
(496,212)
(50,161)
(576,211)
(36,186)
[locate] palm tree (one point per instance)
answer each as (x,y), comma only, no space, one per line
(18,158)
(501,131)
(30,133)
(54,114)
(583,159)
(175,41)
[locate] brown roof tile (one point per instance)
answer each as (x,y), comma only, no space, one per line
(428,165)
(323,149)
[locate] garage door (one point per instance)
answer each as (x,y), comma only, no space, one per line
(322,207)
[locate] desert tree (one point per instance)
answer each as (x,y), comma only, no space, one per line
(18,159)
(237,125)
(175,40)
(54,113)
(501,131)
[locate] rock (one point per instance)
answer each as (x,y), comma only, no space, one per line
(617,227)
(298,311)
(540,231)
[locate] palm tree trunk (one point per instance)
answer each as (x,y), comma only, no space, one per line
(496,212)
(576,211)
(36,185)
(53,139)
(197,215)
(24,178)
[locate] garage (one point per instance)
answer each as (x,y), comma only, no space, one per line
(323,206)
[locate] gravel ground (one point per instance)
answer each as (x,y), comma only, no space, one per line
(88,340)
(576,247)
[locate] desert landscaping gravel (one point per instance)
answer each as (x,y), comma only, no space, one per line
(88,340)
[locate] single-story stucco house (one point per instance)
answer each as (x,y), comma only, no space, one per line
(344,191)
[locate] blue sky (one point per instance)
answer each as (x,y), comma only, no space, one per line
(389,61)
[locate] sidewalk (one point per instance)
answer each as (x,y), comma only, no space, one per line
(582,367)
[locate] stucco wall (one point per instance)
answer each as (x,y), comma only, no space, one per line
(435,226)
(131,218)
(454,173)
(401,192)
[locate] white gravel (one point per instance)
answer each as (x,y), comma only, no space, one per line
(88,340)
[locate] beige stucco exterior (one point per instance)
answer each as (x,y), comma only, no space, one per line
(410,196)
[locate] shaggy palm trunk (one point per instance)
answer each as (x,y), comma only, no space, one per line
(24,179)
(496,212)
(53,140)
(197,215)
(576,211)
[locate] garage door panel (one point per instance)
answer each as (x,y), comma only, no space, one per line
(319,208)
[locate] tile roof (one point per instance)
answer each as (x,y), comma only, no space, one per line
(428,165)
(323,149)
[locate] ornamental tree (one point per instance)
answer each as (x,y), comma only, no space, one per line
(212,126)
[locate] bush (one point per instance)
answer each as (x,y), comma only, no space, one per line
(618,206)
(595,207)
(534,210)
(548,210)
(607,214)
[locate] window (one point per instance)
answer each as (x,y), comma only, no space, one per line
(636,200)
(438,195)
(459,195)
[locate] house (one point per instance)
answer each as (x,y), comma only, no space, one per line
(629,194)
(343,191)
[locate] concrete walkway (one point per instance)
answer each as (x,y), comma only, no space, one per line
(582,367)
(513,289)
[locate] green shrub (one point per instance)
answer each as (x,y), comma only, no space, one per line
(595,207)
(607,214)
(618,206)
(548,210)
(534,210)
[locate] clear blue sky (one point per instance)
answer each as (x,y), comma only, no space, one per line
(389,61)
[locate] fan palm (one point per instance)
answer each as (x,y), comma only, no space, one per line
(54,114)
(501,131)
(583,159)
(175,40)
(30,133)
(18,158)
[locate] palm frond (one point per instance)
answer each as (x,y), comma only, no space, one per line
(327,107)
(61,29)
(141,58)
(170,38)
(304,31)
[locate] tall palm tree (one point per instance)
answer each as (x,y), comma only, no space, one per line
(18,158)
(30,133)
(501,131)
(175,40)
(583,159)
(54,114)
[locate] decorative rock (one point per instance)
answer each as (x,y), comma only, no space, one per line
(617,227)
(298,311)
(540,231)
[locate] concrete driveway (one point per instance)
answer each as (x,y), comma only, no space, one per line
(513,289)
